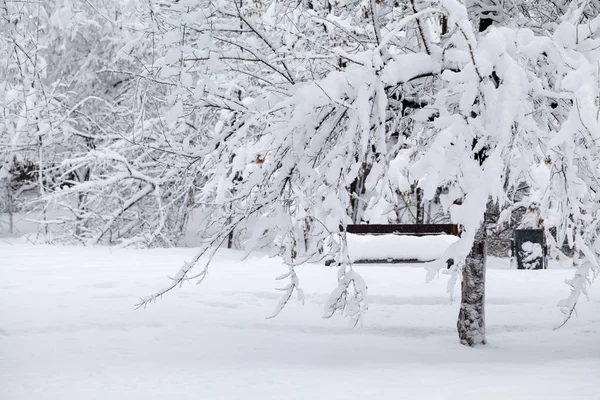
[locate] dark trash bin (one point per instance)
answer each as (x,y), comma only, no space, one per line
(529,249)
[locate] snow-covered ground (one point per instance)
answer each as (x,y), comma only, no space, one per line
(68,331)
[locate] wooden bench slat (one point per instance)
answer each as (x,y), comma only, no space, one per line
(392,261)
(404,229)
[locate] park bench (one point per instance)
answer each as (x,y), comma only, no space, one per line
(415,230)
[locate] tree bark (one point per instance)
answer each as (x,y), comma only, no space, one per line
(420,206)
(471,317)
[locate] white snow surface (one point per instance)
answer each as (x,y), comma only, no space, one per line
(68,330)
(531,253)
(404,247)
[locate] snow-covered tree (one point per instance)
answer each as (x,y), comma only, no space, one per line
(496,99)
(283,120)
(28,104)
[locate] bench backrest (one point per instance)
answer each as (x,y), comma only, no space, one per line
(403,229)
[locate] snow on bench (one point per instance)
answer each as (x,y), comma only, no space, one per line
(397,248)
(398,243)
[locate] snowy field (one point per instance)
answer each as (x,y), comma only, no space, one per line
(68,331)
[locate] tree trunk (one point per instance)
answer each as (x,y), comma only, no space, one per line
(471,317)
(10,207)
(420,206)
(230,240)
(357,189)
